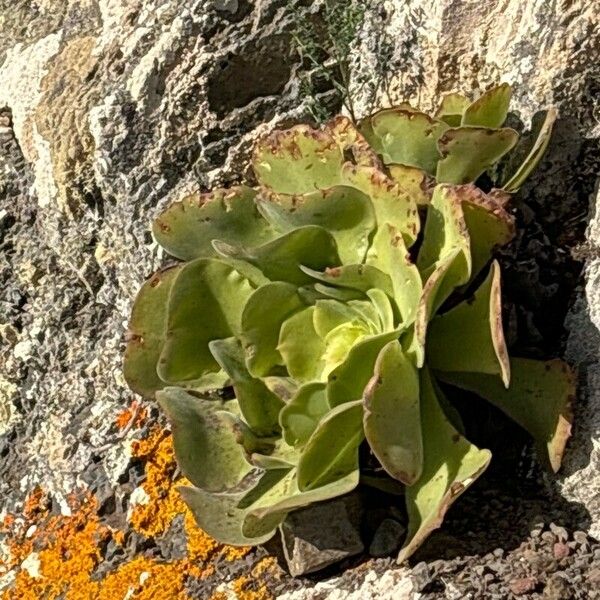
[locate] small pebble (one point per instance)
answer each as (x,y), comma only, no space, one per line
(524,585)
(580,537)
(560,532)
(561,550)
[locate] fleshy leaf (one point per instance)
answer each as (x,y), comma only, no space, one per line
(331,452)
(451,108)
(186,228)
(444,260)
(329,314)
(448,274)
(450,465)
(298,160)
(357,277)
(409,137)
(280,455)
(302,414)
(488,224)
(345,212)
(490,109)
(535,154)
(350,139)
(266,310)
(146,333)
(221,518)
(301,347)
(469,151)
(445,232)
(540,399)
(287,496)
(338,293)
(339,342)
(347,382)
(258,404)
(280,259)
(366,128)
(385,311)
(392,419)
(389,254)
(205,304)
(415,182)
(391,203)
(206,446)
(469,337)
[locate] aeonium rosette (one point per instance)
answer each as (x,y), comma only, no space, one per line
(333,299)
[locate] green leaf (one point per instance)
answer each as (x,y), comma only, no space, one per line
(298,160)
(259,406)
(539,399)
(366,128)
(279,456)
(356,277)
(392,418)
(449,273)
(186,229)
(280,259)
(469,151)
(221,518)
(205,304)
(266,310)
(347,382)
(490,109)
(339,342)
(351,140)
(331,452)
(389,254)
(287,496)
(450,465)
(533,158)
(415,182)
(302,414)
(444,260)
(345,212)
(445,232)
(146,333)
(409,137)
(385,311)
(488,224)
(469,337)
(329,314)
(206,446)
(451,109)
(391,203)
(340,294)
(301,347)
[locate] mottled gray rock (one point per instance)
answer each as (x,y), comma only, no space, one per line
(318,536)
(111,109)
(583,461)
(387,538)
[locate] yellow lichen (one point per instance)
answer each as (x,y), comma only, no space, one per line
(69,547)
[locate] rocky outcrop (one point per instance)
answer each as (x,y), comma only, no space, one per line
(111,109)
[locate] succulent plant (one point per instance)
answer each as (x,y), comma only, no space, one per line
(334,297)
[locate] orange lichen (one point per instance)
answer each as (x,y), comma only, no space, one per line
(135,414)
(243,588)
(66,550)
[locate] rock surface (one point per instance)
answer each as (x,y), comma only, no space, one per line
(111,109)
(318,536)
